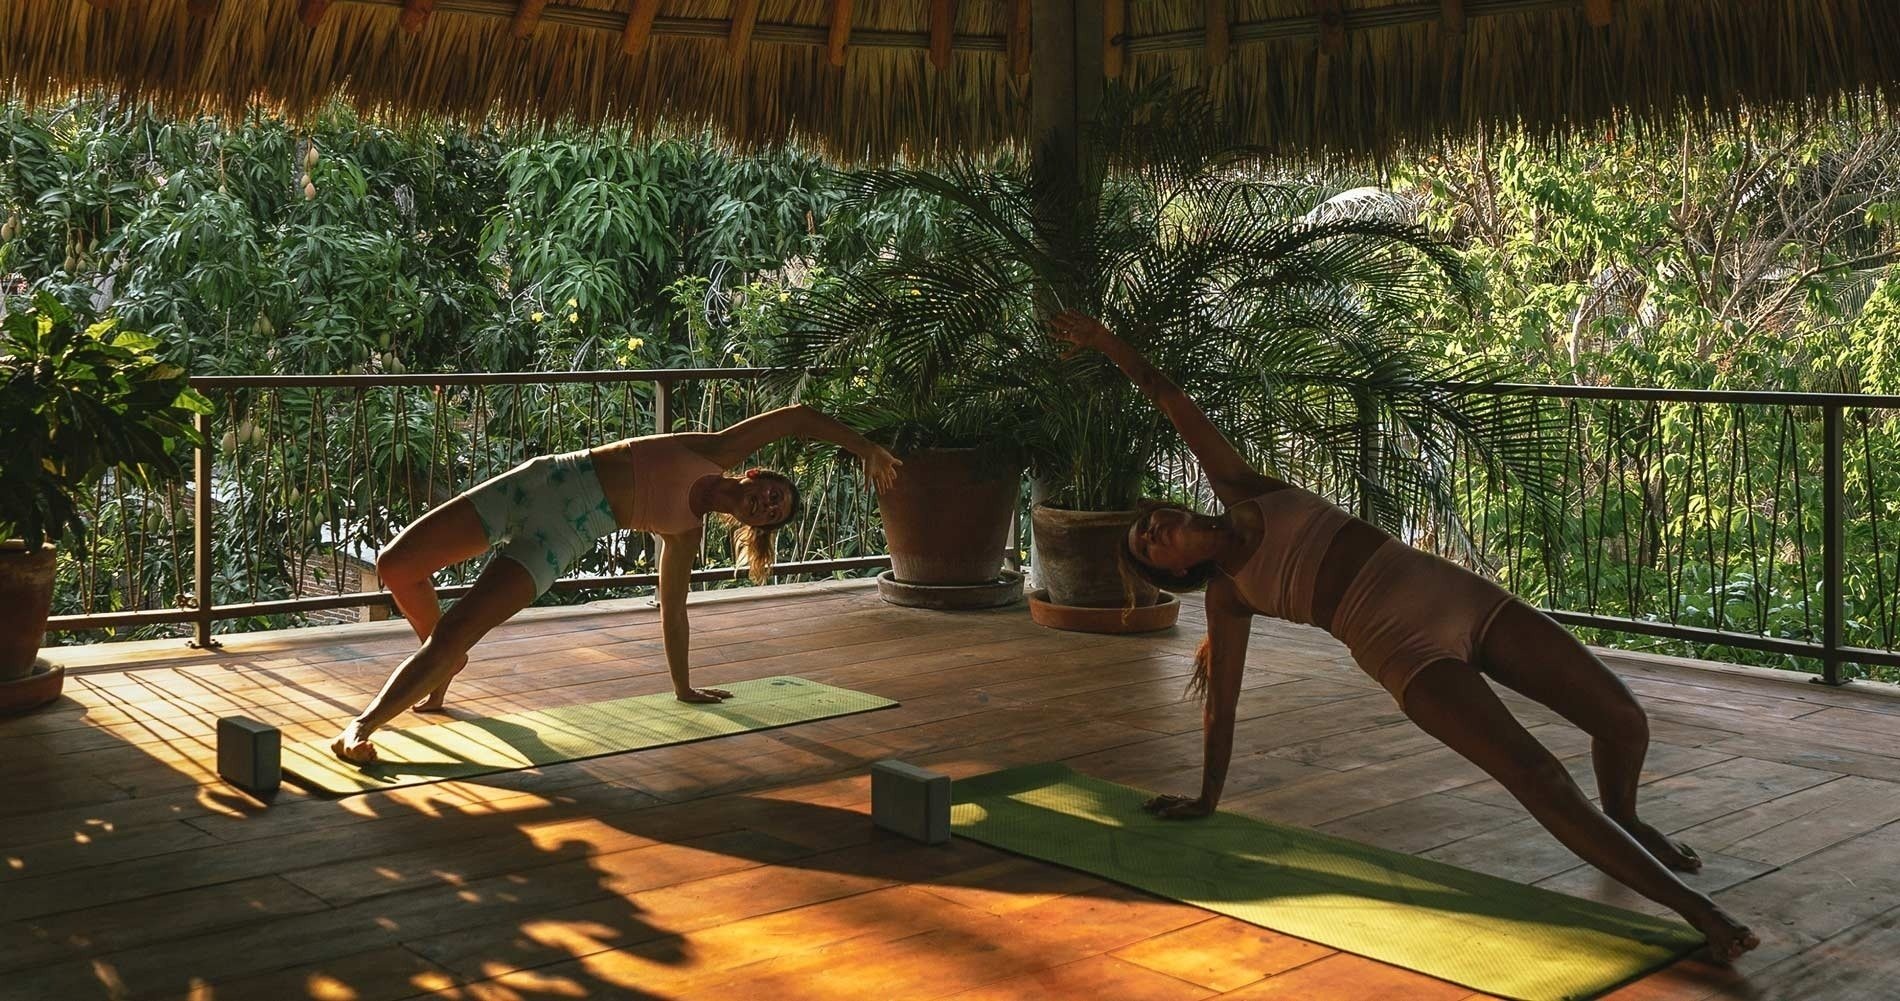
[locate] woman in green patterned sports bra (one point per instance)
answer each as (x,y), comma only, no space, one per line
(544,514)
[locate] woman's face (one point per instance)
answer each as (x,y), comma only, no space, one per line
(1173,539)
(764,500)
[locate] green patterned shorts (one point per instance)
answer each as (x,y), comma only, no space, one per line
(544,514)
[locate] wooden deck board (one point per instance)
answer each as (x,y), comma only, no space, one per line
(747,865)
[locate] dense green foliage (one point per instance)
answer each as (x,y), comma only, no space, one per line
(347,247)
(80,403)
(1759,258)
(1763,258)
(1298,334)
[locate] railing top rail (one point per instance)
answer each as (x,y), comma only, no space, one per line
(1660,395)
(475,378)
(670,375)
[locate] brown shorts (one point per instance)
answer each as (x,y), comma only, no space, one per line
(1407,608)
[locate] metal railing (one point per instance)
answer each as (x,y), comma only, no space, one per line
(1754,521)
(1754,526)
(1758,521)
(303,479)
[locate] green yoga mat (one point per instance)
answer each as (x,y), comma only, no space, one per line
(1488,934)
(464,748)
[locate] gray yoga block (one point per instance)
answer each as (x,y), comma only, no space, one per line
(250,754)
(910,801)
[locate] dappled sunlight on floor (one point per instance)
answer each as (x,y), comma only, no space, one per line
(746,866)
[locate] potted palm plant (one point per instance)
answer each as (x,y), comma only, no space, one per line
(1299,334)
(79,402)
(947,517)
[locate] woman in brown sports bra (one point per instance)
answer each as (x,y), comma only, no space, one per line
(1426,629)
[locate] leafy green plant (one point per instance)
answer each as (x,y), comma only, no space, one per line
(1301,336)
(81,402)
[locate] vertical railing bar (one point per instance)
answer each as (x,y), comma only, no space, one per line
(1800,527)
(201,536)
(1716,591)
(1873,525)
(662,424)
(1833,489)
(1742,458)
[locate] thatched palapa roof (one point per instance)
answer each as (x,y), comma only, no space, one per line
(874,77)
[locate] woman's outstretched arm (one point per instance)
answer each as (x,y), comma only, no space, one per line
(1233,479)
(1229,623)
(677,553)
(730,446)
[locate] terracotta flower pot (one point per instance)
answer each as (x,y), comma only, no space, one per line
(947,517)
(36,689)
(1142,619)
(26,591)
(1078,558)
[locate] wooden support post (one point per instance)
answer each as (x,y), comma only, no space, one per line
(943,26)
(527,17)
(1217,38)
(1019,38)
(1065,80)
(840,37)
(633,40)
(1114,28)
(370,582)
(1332,26)
(415,14)
(1451,20)
(745,14)
(1598,12)
(1451,36)
(311,12)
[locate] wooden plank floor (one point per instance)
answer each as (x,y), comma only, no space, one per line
(746,866)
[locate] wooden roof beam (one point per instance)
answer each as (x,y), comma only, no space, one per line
(528,17)
(202,9)
(1599,12)
(633,40)
(1114,36)
(745,14)
(1018,39)
(943,26)
(415,14)
(839,37)
(1217,40)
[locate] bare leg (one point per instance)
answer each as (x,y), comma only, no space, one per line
(1534,656)
(445,536)
(503,589)
(1450,701)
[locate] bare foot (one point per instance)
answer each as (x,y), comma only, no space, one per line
(353,747)
(1673,854)
(432,702)
(1728,938)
